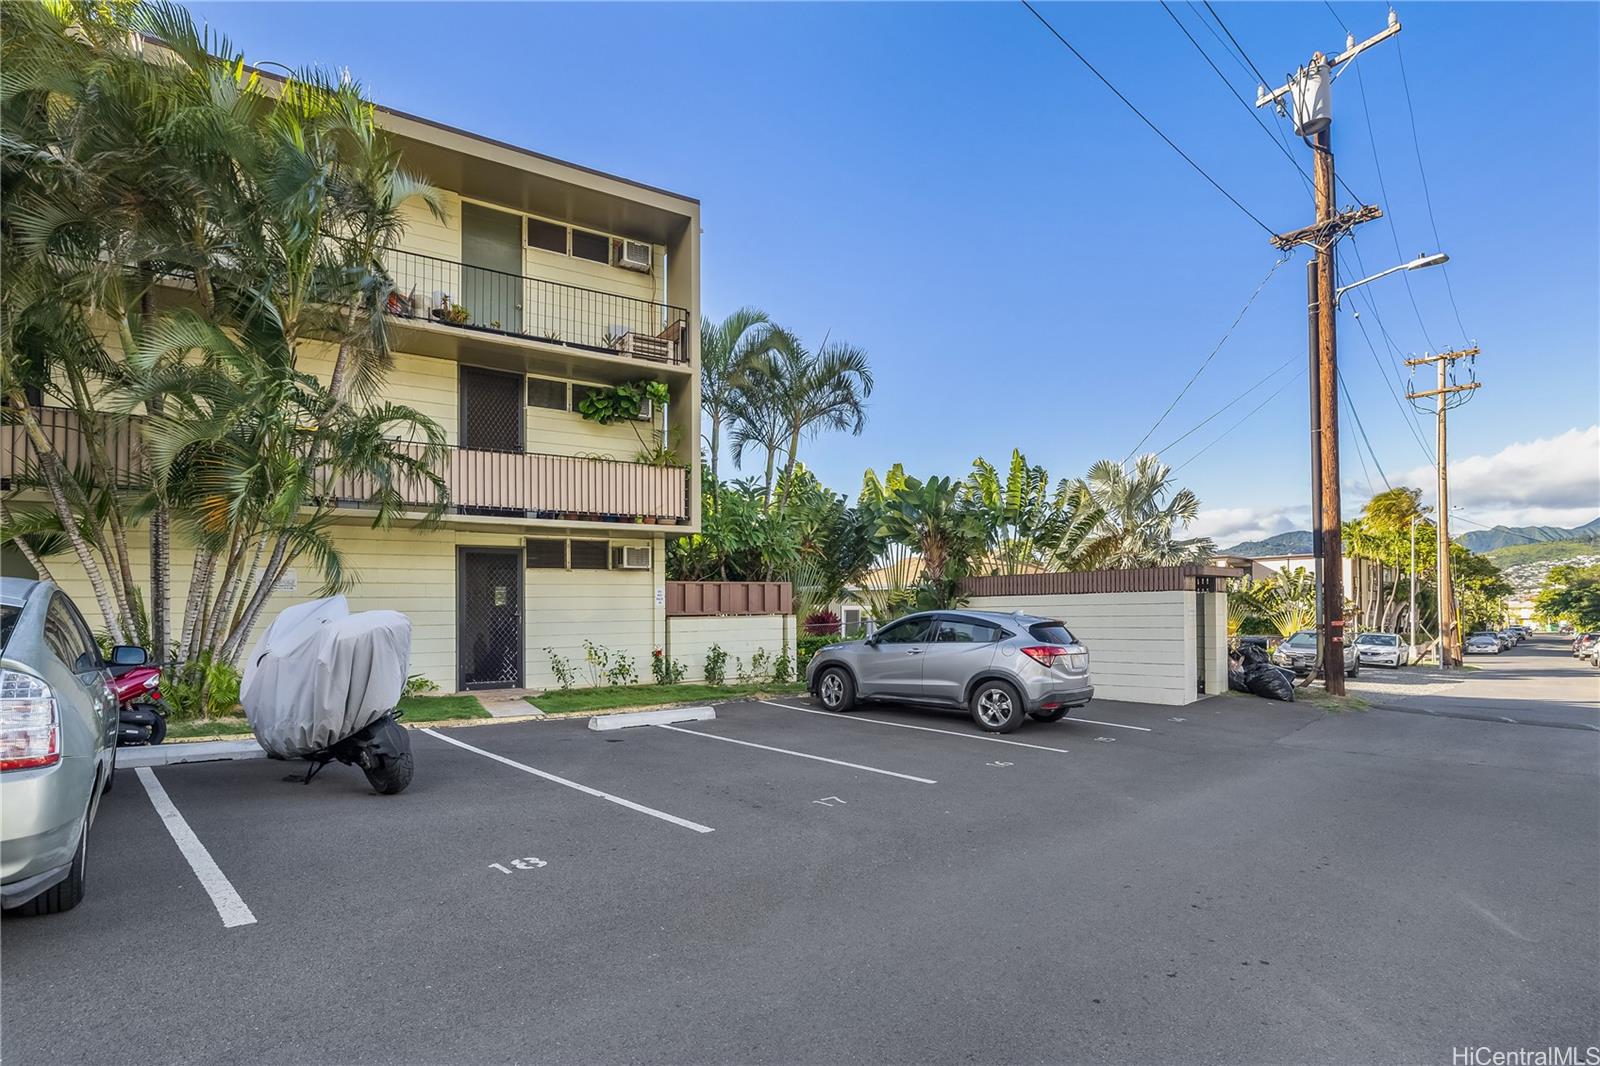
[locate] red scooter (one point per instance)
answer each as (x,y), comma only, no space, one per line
(141,709)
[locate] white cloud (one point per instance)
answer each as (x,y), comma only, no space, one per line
(1231,525)
(1549,481)
(1552,481)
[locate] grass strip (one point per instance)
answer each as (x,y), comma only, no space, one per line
(622,697)
(415,708)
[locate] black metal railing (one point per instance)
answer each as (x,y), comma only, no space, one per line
(494,301)
(515,484)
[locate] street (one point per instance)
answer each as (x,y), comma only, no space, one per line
(1237,880)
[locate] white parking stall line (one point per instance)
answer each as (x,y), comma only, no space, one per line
(585,789)
(1112,725)
(800,754)
(229,904)
(919,728)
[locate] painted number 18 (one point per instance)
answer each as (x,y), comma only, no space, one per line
(529,863)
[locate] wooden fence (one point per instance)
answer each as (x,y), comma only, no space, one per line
(701,598)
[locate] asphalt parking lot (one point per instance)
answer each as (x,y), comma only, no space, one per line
(1231,881)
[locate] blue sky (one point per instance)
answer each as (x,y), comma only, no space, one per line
(1027,264)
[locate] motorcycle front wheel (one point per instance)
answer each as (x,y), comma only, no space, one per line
(389,767)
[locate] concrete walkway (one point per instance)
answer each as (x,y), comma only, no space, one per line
(507,702)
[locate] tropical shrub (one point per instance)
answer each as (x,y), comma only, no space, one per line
(716,670)
(819,623)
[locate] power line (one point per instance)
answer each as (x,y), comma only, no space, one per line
(1361,84)
(1427,196)
(1170,143)
(1237,424)
(1263,81)
(1278,141)
(1235,41)
(1207,360)
(1219,411)
(1350,400)
(1408,419)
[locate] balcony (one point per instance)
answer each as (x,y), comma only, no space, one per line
(524,485)
(491,302)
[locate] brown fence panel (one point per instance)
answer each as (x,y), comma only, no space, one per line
(704,598)
(1149,579)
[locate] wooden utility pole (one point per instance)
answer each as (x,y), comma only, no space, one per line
(1310,90)
(1449,632)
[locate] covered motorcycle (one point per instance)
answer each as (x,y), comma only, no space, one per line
(323,684)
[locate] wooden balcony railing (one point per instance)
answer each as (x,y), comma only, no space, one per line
(509,484)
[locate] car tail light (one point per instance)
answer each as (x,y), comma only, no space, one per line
(1045,654)
(30,732)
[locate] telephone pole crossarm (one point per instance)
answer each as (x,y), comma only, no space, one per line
(1351,50)
(1321,234)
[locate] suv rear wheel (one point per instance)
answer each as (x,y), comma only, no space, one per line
(835,690)
(996,707)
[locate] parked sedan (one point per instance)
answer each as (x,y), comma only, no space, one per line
(1381,649)
(1299,653)
(58,735)
(1483,644)
(1582,641)
(1001,667)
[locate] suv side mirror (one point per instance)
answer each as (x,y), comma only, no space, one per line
(128,655)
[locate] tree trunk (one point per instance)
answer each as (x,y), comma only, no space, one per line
(788,469)
(205,567)
(276,565)
(52,467)
(716,446)
(241,636)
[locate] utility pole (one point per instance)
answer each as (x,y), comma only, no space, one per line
(1311,92)
(1449,632)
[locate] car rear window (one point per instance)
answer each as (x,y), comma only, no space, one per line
(1051,633)
(9,613)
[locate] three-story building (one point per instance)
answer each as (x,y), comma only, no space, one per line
(542,281)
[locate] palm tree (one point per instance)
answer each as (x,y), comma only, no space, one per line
(803,392)
(1136,519)
(726,349)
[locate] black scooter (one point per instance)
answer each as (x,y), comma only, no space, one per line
(382,749)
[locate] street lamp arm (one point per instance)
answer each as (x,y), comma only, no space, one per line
(1416,264)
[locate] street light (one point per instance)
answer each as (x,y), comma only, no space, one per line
(1418,263)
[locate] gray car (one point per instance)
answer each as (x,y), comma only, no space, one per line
(58,736)
(1001,667)
(1299,653)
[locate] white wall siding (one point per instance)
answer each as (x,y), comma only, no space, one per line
(689,639)
(414,572)
(1141,644)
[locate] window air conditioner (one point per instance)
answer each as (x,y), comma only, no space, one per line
(634,255)
(623,558)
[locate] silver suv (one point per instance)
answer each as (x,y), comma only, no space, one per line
(1001,667)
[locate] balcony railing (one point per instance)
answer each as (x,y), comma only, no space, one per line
(492,301)
(506,484)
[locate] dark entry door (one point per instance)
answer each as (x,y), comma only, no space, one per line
(489,617)
(491,267)
(491,410)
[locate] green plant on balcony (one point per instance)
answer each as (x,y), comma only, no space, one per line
(623,402)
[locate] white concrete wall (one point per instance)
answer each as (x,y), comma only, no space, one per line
(741,636)
(1215,604)
(1141,644)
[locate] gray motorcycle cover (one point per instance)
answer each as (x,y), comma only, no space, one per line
(320,673)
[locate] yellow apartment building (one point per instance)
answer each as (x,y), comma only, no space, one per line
(544,279)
